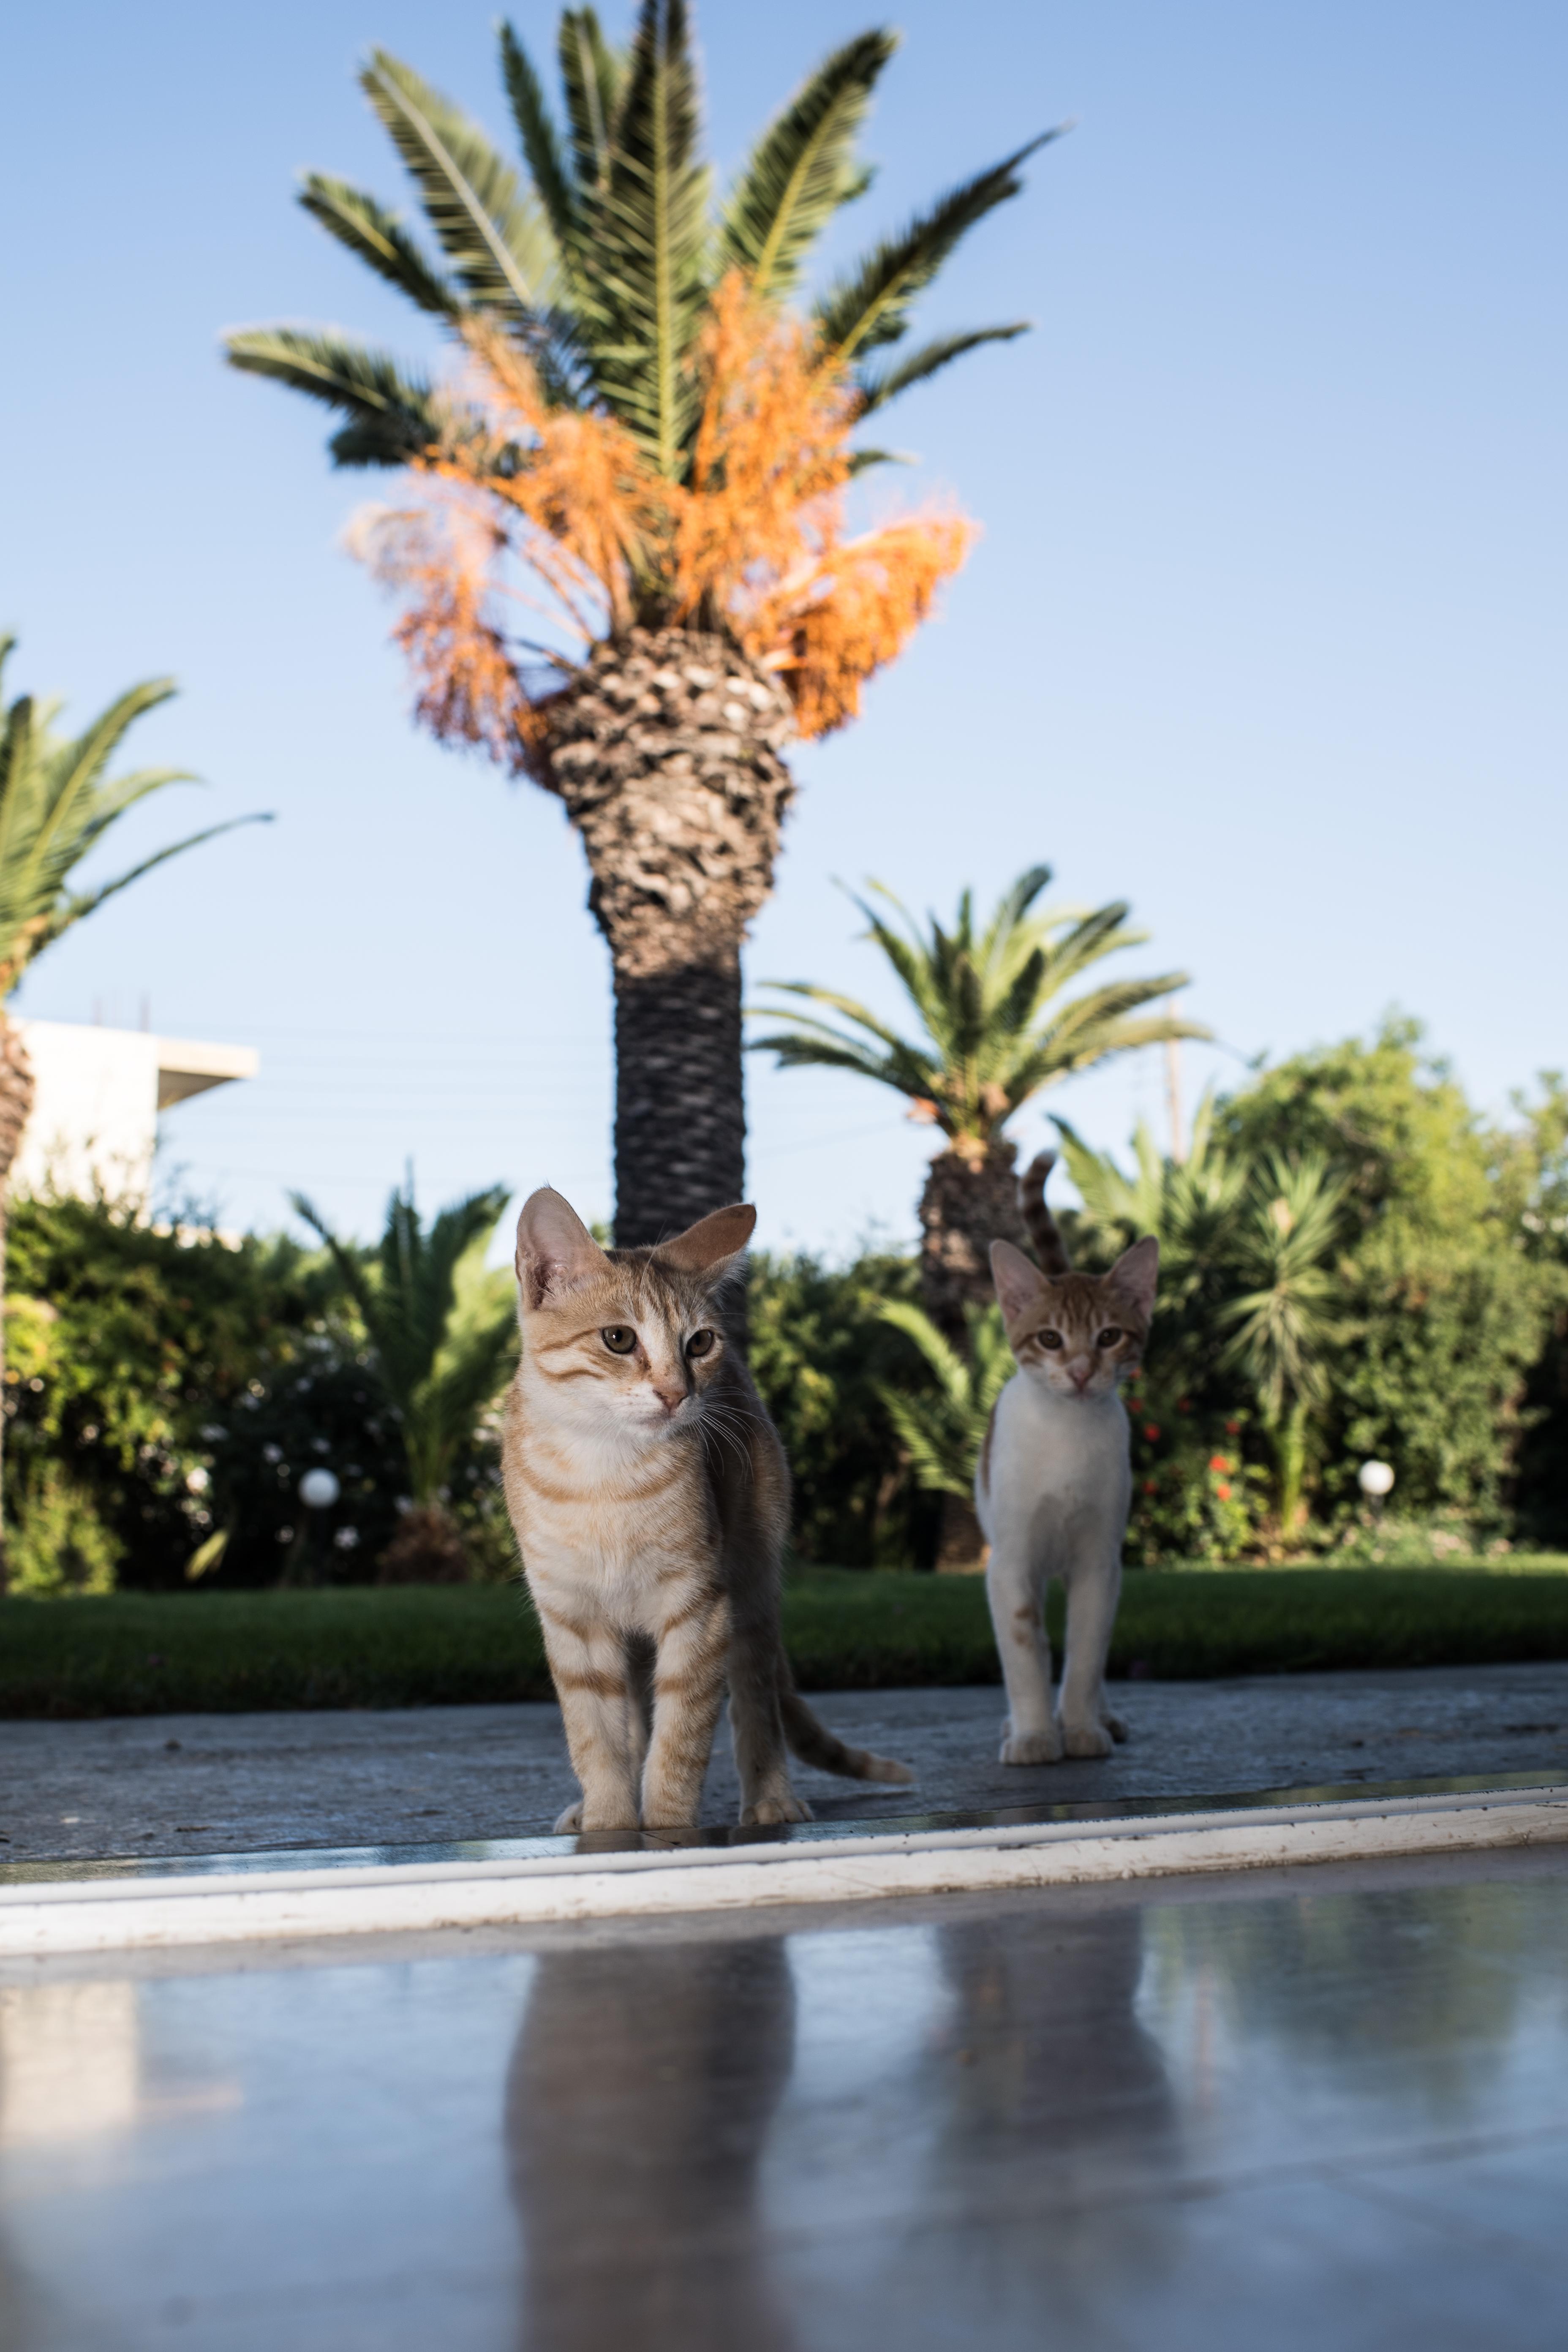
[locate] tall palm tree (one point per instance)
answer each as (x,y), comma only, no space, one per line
(651,445)
(56,805)
(445,1335)
(995,1032)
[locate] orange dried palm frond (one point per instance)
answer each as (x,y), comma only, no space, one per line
(751,544)
(770,457)
(438,559)
(866,598)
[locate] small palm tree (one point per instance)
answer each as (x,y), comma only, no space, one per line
(444,1331)
(648,446)
(942,1428)
(1284,1324)
(996,1030)
(56,805)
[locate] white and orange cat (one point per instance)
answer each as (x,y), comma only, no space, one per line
(1055,1481)
(650,1498)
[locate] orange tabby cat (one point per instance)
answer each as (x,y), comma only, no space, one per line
(650,1496)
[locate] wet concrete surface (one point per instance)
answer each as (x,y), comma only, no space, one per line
(212,1784)
(1322,2107)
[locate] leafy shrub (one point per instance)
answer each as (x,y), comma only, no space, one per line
(821,1355)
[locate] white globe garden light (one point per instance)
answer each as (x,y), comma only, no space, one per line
(319,1490)
(1375,1480)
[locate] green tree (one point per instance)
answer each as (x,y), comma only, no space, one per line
(822,1357)
(169,1387)
(1448,1295)
(443,1335)
(592,292)
(56,803)
(997,1027)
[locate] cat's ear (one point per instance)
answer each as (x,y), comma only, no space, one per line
(555,1251)
(709,1242)
(1136,1272)
(1018,1280)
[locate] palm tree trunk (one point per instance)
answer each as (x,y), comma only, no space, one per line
(971,1199)
(666,750)
(16,1105)
(1289,1436)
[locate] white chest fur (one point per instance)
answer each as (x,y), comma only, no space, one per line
(1054,1458)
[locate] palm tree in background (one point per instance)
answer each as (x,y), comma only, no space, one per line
(56,805)
(942,1426)
(1284,1324)
(996,1029)
(621,550)
(444,1331)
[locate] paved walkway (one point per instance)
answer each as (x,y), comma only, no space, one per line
(212,1784)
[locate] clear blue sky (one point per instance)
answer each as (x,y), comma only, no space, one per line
(1265,632)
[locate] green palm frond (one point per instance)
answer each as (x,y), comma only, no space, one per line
(540,140)
(492,232)
(990,1005)
(443,1331)
(645,300)
(394,415)
(1284,1324)
(593,79)
(873,307)
(378,239)
(878,386)
(56,805)
(600,257)
(942,1427)
(803,169)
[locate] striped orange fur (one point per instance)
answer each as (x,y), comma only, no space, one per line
(650,1498)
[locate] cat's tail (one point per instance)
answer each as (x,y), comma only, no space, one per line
(1038,1222)
(812,1742)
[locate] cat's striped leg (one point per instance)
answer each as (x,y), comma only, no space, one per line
(1014,1589)
(1094,1589)
(602,1714)
(693,1649)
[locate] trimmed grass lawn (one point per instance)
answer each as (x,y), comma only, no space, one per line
(442,1646)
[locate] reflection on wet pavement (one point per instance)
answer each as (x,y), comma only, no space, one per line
(1328,2108)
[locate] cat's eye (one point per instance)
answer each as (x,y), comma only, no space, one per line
(1049,1339)
(1109,1337)
(619,1338)
(701,1343)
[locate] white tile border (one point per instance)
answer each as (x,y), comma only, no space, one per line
(90,1914)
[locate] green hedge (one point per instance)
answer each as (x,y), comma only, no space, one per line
(132,1654)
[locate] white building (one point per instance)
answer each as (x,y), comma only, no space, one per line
(98,1094)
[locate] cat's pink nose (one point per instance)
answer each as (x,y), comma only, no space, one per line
(671,1399)
(1082,1373)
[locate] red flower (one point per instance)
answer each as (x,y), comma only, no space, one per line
(1233,1428)
(1151,1486)
(1223,1493)
(1150,1429)
(1219,1461)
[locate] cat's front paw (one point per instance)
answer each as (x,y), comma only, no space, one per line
(1115,1724)
(769,1811)
(1031,1748)
(1085,1739)
(570,1820)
